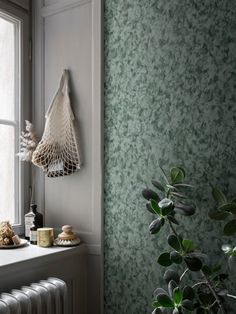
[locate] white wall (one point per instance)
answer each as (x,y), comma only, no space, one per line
(67,34)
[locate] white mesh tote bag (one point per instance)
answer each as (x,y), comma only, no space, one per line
(58,151)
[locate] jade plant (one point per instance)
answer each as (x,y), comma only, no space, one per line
(226,210)
(193,285)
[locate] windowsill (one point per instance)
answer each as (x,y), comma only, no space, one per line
(9,257)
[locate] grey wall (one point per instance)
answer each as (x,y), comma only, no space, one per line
(170,97)
(23,3)
(67,35)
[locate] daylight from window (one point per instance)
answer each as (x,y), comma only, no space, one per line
(7,120)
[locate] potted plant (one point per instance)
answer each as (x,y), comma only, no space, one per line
(198,286)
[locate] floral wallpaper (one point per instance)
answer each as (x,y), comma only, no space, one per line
(170,98)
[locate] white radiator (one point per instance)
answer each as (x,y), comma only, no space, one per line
(45,297)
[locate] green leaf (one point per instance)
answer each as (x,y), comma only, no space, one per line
(230,228)
(172,219)
(176,257)
(173,242)
(159,291)
(206,270)
(158,185)
(226,248)
(171,274)
(149,194)
(188,304)
(232,263)
(182,169)
(156,225)
(188,245)
(233,253)
(222,292)
(183,185)
(155,207)
(215,268)
(166,211)
(180,237)
(218,196)
(164,259)
(164,175)
(171,286)
(177,296)
(171,187)
(165,301)
(218,215)
(156,304)
(177,175)
(188,293)
(157,310)
(231,207)
(166,205)
(193,263)
(149,208)
(179,195)
(184,209)
(197,254)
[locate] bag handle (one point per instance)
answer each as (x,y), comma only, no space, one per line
(64,86)
(64,89)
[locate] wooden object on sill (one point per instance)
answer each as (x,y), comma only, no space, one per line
(67,237)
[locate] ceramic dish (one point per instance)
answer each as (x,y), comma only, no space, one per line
(23,242)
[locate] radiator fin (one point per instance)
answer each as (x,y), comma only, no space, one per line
(47,297)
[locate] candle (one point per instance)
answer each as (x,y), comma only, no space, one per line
(45,237)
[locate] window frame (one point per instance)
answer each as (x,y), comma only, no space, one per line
(22,109)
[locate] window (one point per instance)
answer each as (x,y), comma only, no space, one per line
(13,101)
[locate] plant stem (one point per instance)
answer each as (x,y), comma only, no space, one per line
(210,306)
(208,283)
(231,296)
(184,273)
(213,292)
(199,284)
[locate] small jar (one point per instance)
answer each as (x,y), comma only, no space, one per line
(45,237)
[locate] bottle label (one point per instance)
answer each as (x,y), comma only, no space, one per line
(28,224)
(33,235)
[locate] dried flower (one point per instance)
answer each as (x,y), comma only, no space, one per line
(28,142)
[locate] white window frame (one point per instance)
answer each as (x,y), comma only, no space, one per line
(22,111)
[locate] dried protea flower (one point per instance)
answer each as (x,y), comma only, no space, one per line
(28,142)
(6,233)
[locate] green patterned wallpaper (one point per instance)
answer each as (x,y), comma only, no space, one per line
(170,96)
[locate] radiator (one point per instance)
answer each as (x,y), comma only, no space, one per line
(45,297)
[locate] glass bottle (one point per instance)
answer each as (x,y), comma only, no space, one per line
(32,215)
(29,219)
(33,233)
(38,216)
